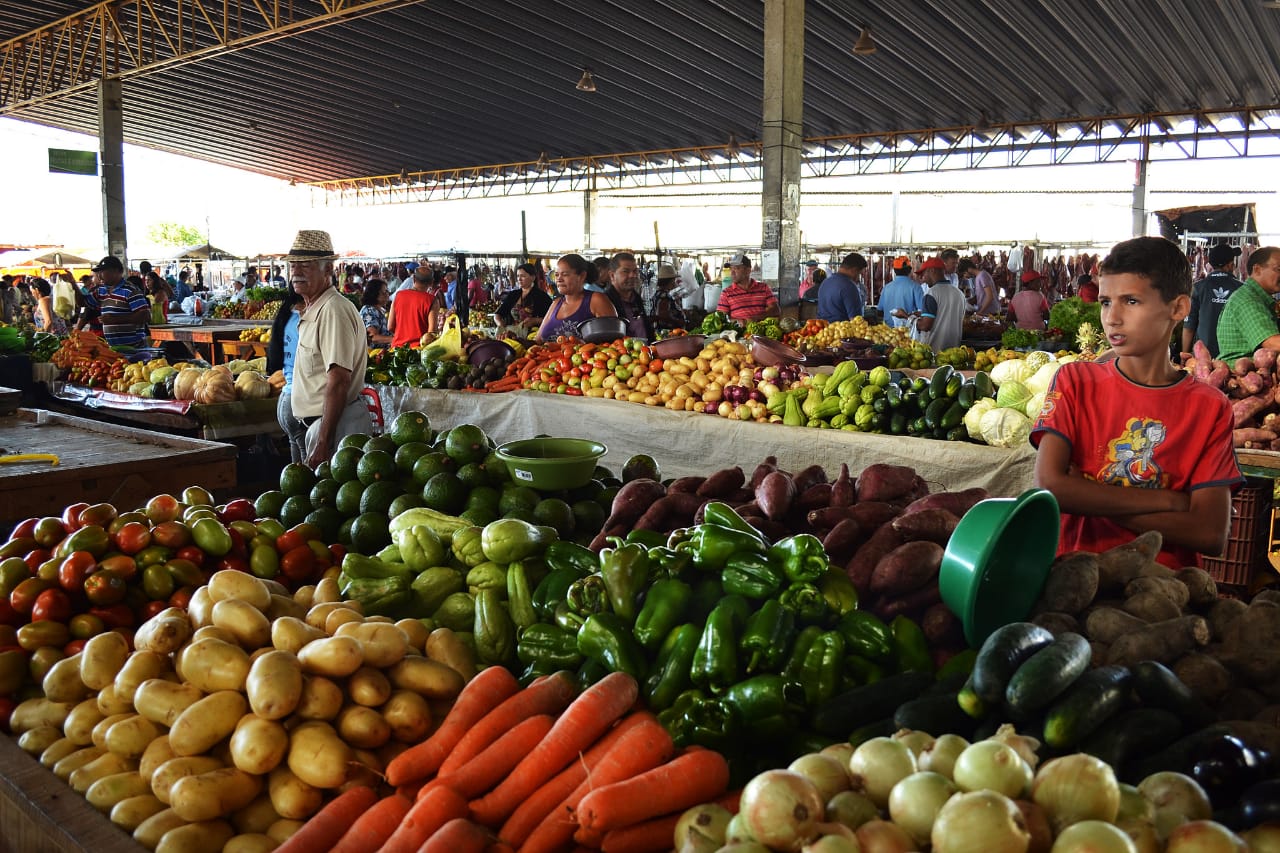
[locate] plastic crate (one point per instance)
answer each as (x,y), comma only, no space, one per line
(1247,541)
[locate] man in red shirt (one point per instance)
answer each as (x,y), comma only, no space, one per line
(412,312)
(746,299)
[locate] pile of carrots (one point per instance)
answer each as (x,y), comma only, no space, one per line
(542,768)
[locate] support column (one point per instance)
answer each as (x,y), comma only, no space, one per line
(111,157)
(782,133)
(588,218)
(1139,203)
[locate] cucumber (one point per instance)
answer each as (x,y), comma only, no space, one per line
(868,703)
(1001,655)
(969,701)
(1133,733)
(1097,696)
(1158,687)
(1047,673)
(937,714)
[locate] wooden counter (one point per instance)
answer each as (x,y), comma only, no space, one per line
(205,340)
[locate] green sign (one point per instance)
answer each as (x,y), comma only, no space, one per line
(64,161)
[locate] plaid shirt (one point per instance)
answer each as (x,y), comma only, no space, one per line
(1247,320)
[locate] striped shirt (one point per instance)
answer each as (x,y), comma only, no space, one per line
(742,303)
(116,303)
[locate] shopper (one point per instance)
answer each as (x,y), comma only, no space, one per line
(1209,297)
(122,307)
(941,320)
(839,297)
(46,319)
(746,299)
(281,352)
(1087,290)
(1028,308)
(413,311)
(575,304)
(373,312)
(902,296)
(982,286)
(1248,320)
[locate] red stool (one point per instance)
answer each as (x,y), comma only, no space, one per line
(374,402)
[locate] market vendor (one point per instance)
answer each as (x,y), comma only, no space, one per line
(623,291)
(746,299)
(575,305)
(122,307)
(1248,320)
(527,304)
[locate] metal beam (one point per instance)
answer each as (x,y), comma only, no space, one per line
(118,39)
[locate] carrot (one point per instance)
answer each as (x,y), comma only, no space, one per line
(582,723)
(499,847)
(695,777)
(457,836)
(637,751)
(372,829)
(535,809)
(326,826)
(440,806)
(481,695)
(550,695)
(498,759)
(650,836)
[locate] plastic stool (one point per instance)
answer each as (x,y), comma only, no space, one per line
(374,402)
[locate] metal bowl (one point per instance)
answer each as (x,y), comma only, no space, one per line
(681,346)
(602,330)
(770,353)
(478,352)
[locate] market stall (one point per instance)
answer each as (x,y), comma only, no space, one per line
(211,422)
(206,338)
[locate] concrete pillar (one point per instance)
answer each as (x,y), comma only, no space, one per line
(111,157)
(1139,203)
(588,218)
(782,133)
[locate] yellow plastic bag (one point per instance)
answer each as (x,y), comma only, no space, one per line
(451,338)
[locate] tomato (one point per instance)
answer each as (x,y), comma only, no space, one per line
(8,616)
(34,558)
(113,616)
(122,564)
(239,509)
(24,595)
(52,605)
(74,647)
(152,555)
(132,537)
(49,532)
(71,516)
(337,552)
(295,536)
(151,608)
(74,568)
(25,529)
(182,597)
(190,553)
(104,587)
(125,518)
(298,563)
(239,546)
(232,562)
(162,508)
(86,625)
(100,514)
(171,534)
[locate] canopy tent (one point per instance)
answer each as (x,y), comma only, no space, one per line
(205,252)
(39,258)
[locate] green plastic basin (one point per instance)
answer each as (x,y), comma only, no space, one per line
(997,560)
(551,463)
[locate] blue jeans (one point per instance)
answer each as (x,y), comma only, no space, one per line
(294,430)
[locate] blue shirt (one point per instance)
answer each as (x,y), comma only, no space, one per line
(839,298)
(451,294)
(903,292)
(290,347)
(181,290)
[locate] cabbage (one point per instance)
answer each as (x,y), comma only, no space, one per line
(1013,370)
(1005,427)
(973,417)
(1036,359)
(1034,405)
(1039,381)
(1068,358)
(1012,395)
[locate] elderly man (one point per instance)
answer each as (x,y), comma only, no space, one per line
(123,308)
(941,320)
(329,365)
(839,297)
(746,299)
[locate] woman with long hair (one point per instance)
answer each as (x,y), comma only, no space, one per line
(280,351)
(527,304)
(46,319)
(575,304)
(373,311)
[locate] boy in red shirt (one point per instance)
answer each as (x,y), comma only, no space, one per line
(1136,444)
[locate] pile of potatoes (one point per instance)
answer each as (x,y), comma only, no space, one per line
(231,723)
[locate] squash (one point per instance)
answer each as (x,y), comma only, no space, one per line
(277,380)
(237,366)
(252,385)
(184,387)
(215,386)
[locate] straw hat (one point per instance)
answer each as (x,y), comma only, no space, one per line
(311,246)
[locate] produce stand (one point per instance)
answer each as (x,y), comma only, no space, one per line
(205,339)
(100,462)
(688,443)
(214,422)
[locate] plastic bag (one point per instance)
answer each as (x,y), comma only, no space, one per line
(451,338)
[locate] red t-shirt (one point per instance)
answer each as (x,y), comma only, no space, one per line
(1125,434)
(412,314)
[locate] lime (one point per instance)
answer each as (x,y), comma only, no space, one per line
(347,498)
(478,515)
(554,512)
(296,479)
(324,492)
(445,493)
(522,513)
(375,465)
(466,443)
(344,462)
(433,463)
(294,510)
(410,427)
(473,474)
(344,530)
(356,440)
(378,496)
(369,532)
(588,516)
(408,500)
(486,497)
(589,492)
(641,467)
(381,442)
(517,497)
(322,471)
(268,504)
(408,454)
(327,520)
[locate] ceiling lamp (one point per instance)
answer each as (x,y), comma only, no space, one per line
(587,83)
(864,46)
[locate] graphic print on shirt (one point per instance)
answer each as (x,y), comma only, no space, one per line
(1131,456)
(1221,295)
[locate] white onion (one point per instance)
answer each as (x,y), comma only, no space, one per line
(1264,839)
(991,765)
(737,832)
(743,847)
(1093,836)
(781,809)
(826,773)
(696,842)
(1024,745)
(941,756)
(1038,828)
(833,844)
(914,803)
(980,822)
(917,741)
(1075,788)
(851,809)
(708,820)
(1203,836)
(879,764)
(1143,834)
(881,836)
(1177,798)
(841,752)
(1134,806)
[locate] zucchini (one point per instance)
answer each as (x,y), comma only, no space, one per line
(968,394)
(1158,687)
(1001,655)
(1097,696)
(1133,733)
(937,714)
(868,703)
(1048,673)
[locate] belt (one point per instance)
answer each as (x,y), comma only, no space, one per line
(307,422)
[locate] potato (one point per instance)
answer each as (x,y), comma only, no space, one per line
(415,632)
(109,703)
(431,679)
(322,699)
(213,665)
(318,756)
(243,621)
(78,726)
(368,686)
(229,584)
(213,632)
(164,633)
(274,684)
(35,741)
(200,608)
(163,701)
(58,750)
(304,596)
(73,762)
(63,682)
(158,752)
(290,796)
(130,813)
(99,733)
(206,722)
(214,794)
(258,745)
(339,617)
(131,737)
(255,842)
(255,817)
(408,715)
(444,646)
(336,657)
(104,765)
(290,634)
(109,790)
(1151,606)
(207,836)
(326,592)
(283,605)
(283,829)
(42,660)
(363,728)
(319,612)
(384,644)
(38,712)
(164,777)
(140,667)
(102,658)
(151,830)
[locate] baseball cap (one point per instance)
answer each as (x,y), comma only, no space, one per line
(110,262)
(810,263)
(740,260)
(1223,254)
(1030,276)
(901,262)
(932,264)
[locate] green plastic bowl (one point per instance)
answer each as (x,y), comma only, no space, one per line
(551,463)
(997,560)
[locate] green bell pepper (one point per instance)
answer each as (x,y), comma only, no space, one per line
(864,634)
(839,591)
(519,598)
(565,619)
(379,596)
(910,647)
(457,612)
(494,630)
(961,662)
(551,592)
(570,555)
(664,608)
(509,539)
(751,576)
(766,705)
(359,566)
(605,638)
(696,719)
(712,545)
(645,538)
(487,575)
(767,637)
(801,557)
(718,512)
(821,672)
(715,665)
(589,673)
(668,562)
(707,592)
(588,595)
(670,675)
(431,587)
(466,547)
(859,671)
(799,650)
(548,647)
(806,601)
(420,547)
(625,572)
(533,672)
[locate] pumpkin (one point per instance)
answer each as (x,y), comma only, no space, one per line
(184,387)
(252,385)
(277,380)
(215,386)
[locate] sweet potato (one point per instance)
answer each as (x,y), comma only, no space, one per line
(956,503)
(811,476)
(1057,623)
(768,466)
(1204,675)
(884,482)
(633,499)
(863,563)
(1250,642)
(1164,642)
(907,605)
(1245,410)
(722,482)
(1097,654)
(1242,366)
(1218,376)
(872,514)
(1202,354)
(906,568)
(1244,702)
(817,496)
(1222,613)
(775,494)
(941,627)
(1170,588)
(931,525)
(1254,383)
(1253,438)
(1264,360)
(828,517)
(675,509)
(1072,583)
(1108,624)
(842,490)
(1121,564)
(1151,607)
(1157,570)
(686,485)
(842,540)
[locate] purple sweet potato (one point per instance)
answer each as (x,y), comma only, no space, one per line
(816,496)
(1242,366)
(776,493)
(911,603)
(1264,360)
(748,508)
(1253,438)
(956,503)
(863,562)
(940,626)
(906,568)
(884,482)
(739,496)
(686,485)
(828,517)
(1252,383)
(872,514)
(675,509)
(602,538)
(811,476)
(768,466)
(1244,411)
(1218,376)
(772,530)
(633,499)
(842,490)
(722,482)
(932,525)
(843,540)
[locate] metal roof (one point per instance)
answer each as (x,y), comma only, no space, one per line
(438,85)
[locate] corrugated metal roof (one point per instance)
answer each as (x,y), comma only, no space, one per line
(444,84)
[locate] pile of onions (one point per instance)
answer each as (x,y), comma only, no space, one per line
(1204,836)
(914,803)
(1075,788)
(941,755)
(781,809)
(980,822)
(991,765)
(1177,799)
(877,765)
(825,772)
(1093,836)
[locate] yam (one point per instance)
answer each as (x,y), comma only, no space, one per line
(1098,654)
(1057,623)
(1164,642)
(1218,376)
(1243,366)
(863,563)
(1253,438)
(669,512)
(1245,410)
(842,490)
(941,627)
(722,482)
(1121,564)
(633,499)
(775,494)
(1264,360)
(764,469)
(1072,583)
(931,525)
(1244,702)
(1151,607)
(872,514)
(1171,589)
(1108,624)
(686,485)
(1222,613)
(884,482)
(956,503)
(907,568)
(1207,678)
(1202,590)
(909,604)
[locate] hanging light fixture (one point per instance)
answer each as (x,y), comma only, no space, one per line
(864,46)
(587,83)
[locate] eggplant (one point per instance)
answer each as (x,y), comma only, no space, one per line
(1261,803)
(1225,766)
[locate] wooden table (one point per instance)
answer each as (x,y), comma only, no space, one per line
(212,422)
(205,340)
